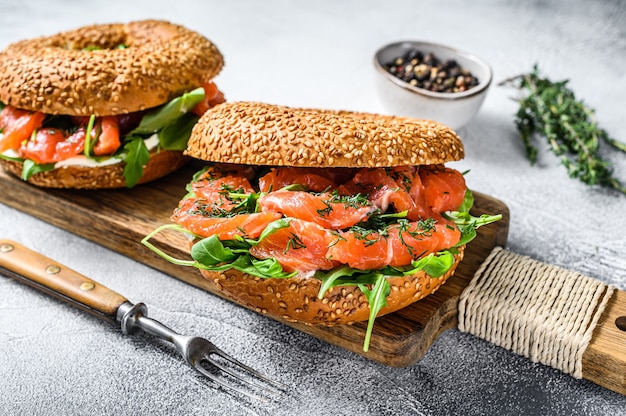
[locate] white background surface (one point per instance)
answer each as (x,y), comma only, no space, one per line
(57,360)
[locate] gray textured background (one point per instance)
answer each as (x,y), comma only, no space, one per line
(56,360)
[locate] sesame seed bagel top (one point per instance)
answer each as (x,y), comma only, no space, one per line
(264,134)
(106,69)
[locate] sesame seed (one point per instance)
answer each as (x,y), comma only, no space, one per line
(364,139)
(57,67)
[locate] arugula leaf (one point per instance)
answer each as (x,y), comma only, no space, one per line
(294,187)
(271,228)
(377,299)
(247,202)
(168,113)
(195,178)
(331,279)
(29,168)
(89,144)
(137,155)
(468,224)
(435,265)
(468,202)
(211,254)
(268,267)
(210,251)
(175,136)
(378,221)
(14,159)
(146,242)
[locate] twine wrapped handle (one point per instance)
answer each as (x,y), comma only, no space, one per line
(543,312)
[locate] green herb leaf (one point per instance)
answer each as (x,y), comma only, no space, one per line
(468,202)
(467,235)
(435,265)
(268,267)
(210,252)
(271,228)
(89,143)
(175,136)
(468,223)
(294,187)
(331,279)
(11,158)
(137,155)
(377,299)
(168,113)
(146,242)
(195,178)
(30,168)
(552,111)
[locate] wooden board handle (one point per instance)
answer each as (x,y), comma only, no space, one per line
(550,315)
(604,360)
(45,274)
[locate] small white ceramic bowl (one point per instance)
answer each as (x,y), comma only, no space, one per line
(454,109)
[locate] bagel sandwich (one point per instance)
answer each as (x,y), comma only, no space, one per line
(106,105)
(323,217)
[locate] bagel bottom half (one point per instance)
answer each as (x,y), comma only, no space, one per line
(161,163)
(296,299)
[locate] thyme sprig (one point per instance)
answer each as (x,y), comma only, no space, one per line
(550,109)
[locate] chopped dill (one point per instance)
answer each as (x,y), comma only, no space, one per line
(323,212)
(294,243)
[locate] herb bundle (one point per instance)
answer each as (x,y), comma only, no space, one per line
(550,109)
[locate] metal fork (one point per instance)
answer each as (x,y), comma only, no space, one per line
(66,284)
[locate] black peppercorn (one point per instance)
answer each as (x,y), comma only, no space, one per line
(425,70)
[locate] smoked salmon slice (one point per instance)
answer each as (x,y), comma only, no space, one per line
(396,246)
(327,209)
(301,246)
(326,220)
(401,189)
(17,126)
(191,214)
(218,191)
(444,188)
(311,179)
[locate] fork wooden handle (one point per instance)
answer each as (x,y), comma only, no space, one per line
(57,280)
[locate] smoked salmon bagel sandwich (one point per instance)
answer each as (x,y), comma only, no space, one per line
(323,217)
(104,106)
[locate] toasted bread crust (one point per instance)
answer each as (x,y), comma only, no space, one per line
(295,299)
(101,177)
(263,134)
(56,75)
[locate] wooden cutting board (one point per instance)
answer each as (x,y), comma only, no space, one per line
(119,219)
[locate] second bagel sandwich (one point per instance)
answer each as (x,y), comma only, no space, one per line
(104,106)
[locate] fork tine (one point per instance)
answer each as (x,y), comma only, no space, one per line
(278,387)
(197,350)
(227,386)
(257,374)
